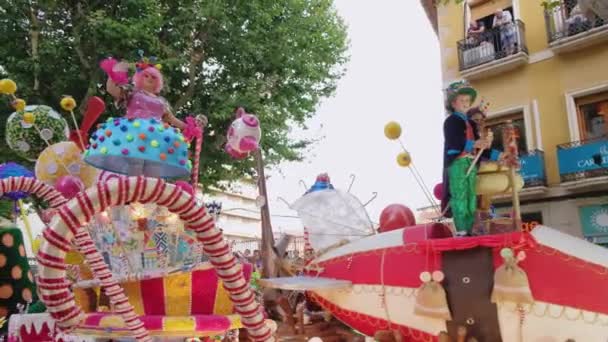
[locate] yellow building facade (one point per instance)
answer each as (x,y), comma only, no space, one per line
(546,69)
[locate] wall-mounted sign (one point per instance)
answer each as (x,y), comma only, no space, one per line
(587,157)
(532,167)
(594,221)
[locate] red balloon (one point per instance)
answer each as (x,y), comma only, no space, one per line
(185,186)
(438,191)
(396,216)
(69,186)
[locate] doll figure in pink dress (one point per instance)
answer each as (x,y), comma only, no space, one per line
(142,100)
(148,140)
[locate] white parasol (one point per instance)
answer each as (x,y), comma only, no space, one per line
(332,216)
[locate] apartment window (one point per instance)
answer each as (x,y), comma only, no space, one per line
(592,114)
(496,125)
(486,8)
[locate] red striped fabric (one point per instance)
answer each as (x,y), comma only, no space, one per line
(153,289)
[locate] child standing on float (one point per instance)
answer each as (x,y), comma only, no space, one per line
(462,142)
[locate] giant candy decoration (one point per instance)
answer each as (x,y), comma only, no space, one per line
(243,135)
(14,170)
(64,159)
(17,286)
(139,147)
(30,131)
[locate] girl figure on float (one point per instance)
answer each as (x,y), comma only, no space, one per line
(148,140)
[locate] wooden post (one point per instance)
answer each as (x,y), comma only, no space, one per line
(510,145)
(269,269)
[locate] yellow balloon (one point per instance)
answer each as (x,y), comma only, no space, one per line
(404,159)
(62,159)
(68,103)
(8,86)
(392,130)
(19,105)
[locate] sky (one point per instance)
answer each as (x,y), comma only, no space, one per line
(394,74)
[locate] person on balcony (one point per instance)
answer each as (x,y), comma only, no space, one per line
(578,21)
(503,22)
(475,33)
(461,144)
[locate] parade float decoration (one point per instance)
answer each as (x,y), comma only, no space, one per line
(122,257)
(31,130)
(331,216)
(17,287)
(421,283)
(243,135)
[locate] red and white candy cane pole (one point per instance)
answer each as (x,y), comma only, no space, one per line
(196,161)
(119,191)
(194,130)
(55,291)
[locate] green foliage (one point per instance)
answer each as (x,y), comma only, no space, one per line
(550,4)
(7,209)
(277,58)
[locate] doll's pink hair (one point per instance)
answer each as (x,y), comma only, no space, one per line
(138,78)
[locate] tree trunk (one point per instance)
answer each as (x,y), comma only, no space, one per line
(35,35)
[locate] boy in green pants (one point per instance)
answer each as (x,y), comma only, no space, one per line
(461,145)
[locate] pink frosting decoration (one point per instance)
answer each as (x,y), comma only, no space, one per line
(145,106)
(234,153)
(248,144)
(251,121)
(192,129)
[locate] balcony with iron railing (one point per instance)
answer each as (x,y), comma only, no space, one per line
(583,163)
(493,51)
(571,29)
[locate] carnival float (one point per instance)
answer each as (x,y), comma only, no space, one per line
(127,255)
(471,275)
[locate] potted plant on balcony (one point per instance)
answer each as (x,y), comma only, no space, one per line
(555,17)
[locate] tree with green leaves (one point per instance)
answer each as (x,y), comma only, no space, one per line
(276,58)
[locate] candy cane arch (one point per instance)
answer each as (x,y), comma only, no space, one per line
(119,191)
(83,242)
